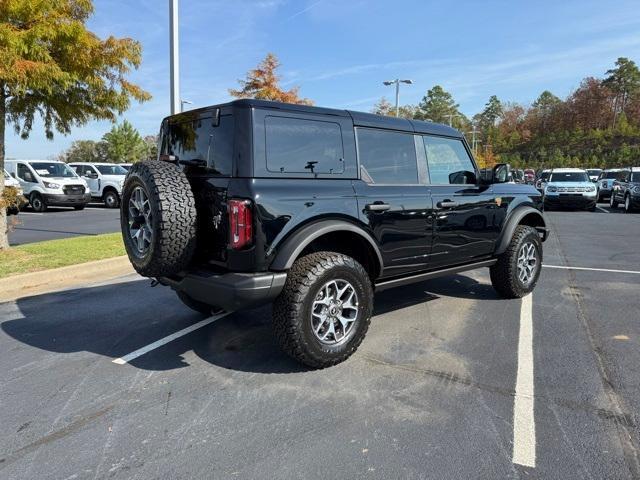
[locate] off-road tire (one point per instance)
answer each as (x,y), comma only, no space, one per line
(292,308)
(628,207)
(37,202)
(111,199)
(199,307)
(173,213)
(504,273)
(79,207)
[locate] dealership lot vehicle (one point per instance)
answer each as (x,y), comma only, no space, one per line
(594,173)
(626,190)
(105,181)
(49,183)
(605,183)
(274,202)
(569,188)
(541,183)
(431,393)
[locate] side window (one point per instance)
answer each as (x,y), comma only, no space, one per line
(296,145)
(25,174)
(448,160)
(387,156)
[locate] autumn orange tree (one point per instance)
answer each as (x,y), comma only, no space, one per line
(53,68)
(263,83)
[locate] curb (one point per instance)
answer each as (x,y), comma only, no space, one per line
(46,281)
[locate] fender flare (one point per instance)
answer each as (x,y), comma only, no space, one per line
(512,222)
(296,243)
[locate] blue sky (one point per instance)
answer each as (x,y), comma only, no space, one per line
(340,51)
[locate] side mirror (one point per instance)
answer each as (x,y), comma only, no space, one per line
(501,173)
(463,177)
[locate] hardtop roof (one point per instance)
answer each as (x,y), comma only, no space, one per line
(362,119)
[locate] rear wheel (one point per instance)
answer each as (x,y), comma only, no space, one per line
(111,199)
(516,272)
(324,310)
(37,202)
(79,207)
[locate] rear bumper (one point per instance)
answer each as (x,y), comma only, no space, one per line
(569,201)
(62,200)
(230,291)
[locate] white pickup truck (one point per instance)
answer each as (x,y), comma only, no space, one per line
(105,181)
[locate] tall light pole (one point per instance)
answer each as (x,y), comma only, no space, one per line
(183,103)
(397,81)
(174,52)
(473,139)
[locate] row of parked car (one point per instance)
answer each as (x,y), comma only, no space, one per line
(45,183)
(577,188)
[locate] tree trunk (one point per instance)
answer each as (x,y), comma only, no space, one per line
(4,239)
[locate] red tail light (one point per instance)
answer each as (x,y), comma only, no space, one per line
(240,224)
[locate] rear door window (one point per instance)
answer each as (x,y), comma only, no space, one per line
(387,157)
(296,145)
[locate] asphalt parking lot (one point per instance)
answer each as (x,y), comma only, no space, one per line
(451,381)
(30,226)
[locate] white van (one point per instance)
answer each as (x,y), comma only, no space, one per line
(49,183)
(105,180)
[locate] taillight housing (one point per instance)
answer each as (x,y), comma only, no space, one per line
(240,224)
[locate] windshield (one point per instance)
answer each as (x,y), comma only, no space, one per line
(544,175)
(111,170)
(569,177)
(52,169)
(592,172)
(609,175)
(6,175)
(635,177)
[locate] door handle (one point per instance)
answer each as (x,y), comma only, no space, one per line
(377,207)
(446,204)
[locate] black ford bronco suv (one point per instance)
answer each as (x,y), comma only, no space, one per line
(314,210)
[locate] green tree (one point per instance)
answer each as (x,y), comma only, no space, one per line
(53,67)
(624,81)
(86,151)
(264,83)
(384,107)
(492,111)
(151,142)
(437,106)
(123,144)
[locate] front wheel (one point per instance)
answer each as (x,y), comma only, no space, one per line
(324,310)
(37,202)
(627,204)
(516,272)
(79,207)
(612,201)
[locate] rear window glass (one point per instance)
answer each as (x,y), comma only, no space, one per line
(635,177)
(296,145)
(387,157)
(198,139)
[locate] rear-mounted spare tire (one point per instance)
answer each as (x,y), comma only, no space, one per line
(158,218)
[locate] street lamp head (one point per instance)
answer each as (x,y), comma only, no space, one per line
(407,81)
(389,82)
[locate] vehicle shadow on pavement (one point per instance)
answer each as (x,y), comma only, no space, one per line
(114,320)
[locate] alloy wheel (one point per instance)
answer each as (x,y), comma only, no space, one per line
(140,219)
(334,312)
(527,263)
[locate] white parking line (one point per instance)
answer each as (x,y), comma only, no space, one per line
(635,272)
(603,210)
(524,427)
(163,341)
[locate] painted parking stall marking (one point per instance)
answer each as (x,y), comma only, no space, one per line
(169,338)
(524,427)
(609,270)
